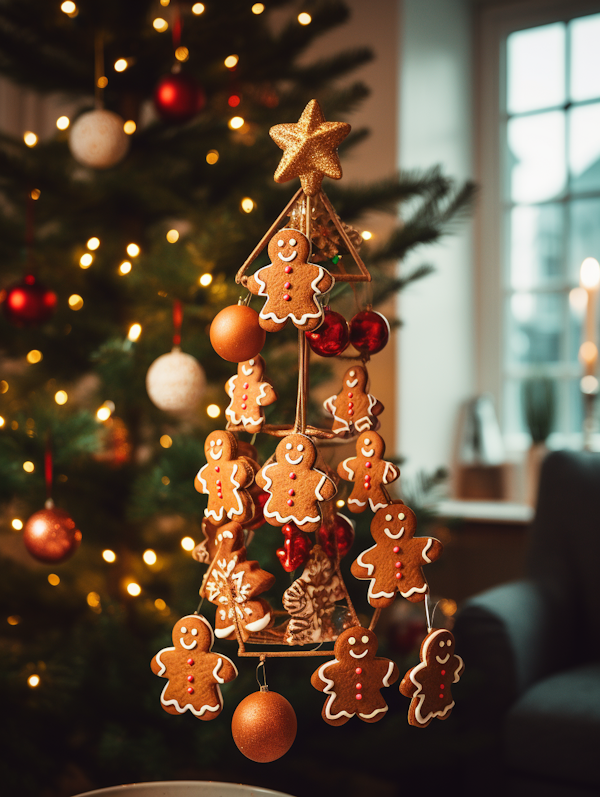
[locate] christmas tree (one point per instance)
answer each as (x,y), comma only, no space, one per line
(104,269)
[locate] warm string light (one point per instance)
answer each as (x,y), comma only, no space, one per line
(86,260)
(120,65)
(198,8)
(93,599)
(109,556)
(149,557)
(340,503)
(129,127)
(30,138)
(172,236)
(213,410)
(134,589)
(258,8)
(34,356)
(35,193)
(212,156)
(63,122)
(33,681)
(160,25)
(14,619)
(135,330)
(231,61)
(236,122)
(125,267)
(69,8)
(366,235)
(17,524)
(205,280)
(93,243)
(3,386)
(247,204)
(104,412)
(2,421)
(75,301)
(28,467)
(182,54)
(304,18)
(160,604)
(133,250)
(166,441)
(188,544)
(61,397)
(53,580)
(166,481)
(102,82)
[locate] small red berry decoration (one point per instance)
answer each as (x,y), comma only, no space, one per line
(369,331)
(236,335)
(332,337)
(178,98)
(296,548)
(29,303)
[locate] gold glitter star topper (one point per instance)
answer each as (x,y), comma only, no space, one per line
(309,149)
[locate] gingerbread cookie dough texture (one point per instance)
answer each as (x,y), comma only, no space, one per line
(249,392)
(429,683)
(395,563)
(194,673)
(224,479)
(291,285)
(369,472)
(353,680)
(354,409)
(295,487)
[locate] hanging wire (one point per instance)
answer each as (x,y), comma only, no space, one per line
(261,663)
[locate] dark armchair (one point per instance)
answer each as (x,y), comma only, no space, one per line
(533,647)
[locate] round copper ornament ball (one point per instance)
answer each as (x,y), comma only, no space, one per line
(236,335)
(51,535)
(264,726)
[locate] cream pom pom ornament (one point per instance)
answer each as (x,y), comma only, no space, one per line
(175,381)
(97,139)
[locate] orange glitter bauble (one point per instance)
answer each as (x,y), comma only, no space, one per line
(51,535)
(264,726)
(236,335)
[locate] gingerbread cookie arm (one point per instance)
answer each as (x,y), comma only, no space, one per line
(375,406)
(325,489)
(329,405)
(224,670)
(200,482)
(458,669)
(257,283)
(262,479)
(432,549)
(390,473)
(347,469)
(159,662)
(267,394)
(325,282)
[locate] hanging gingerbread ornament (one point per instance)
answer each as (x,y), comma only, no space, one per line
(236,334)
(332,337)
(264,726)
(354,409)
(28,303)
(175,382)
(249,392)
(369,331)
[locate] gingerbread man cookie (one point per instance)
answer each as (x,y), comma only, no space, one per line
(249,392)
(223,479)
(291,284)
(295,487)
(354,678)
(430,682)
(354,409)
(395,563)
(369,472)
(194,673)
(233,585)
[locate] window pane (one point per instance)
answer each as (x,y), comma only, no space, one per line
(575,406)
(536,68)
(535,328)
(584,234)
(584,147)
(585,58)
(537,157)
(514,420)
(577,309)
(536,245)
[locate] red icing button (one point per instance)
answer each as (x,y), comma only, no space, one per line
(217,468)
(398,564)
(350,395)
(359,697)
(367,486)
(244,397)
(442,686)
(290,502)
(359,686)
(243,406)
(367,477)
(398,575)
(292,475)
(190,662)
(358,670)
(245,385)
(441,697)
(191,690)
(350,405)
(367,464)
(443,672)
(190,678)
(286,297)
(291,492)
(288,269)
(287,285)
(350,412)
(395,549)
(218,482)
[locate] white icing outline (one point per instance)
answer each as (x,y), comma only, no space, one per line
(188,706)
(289,258)
(297,321)
(358,655)
(412,591)
(419,693)
(222,633)
(386,680)
(389,534)
(367,452)
(247,372)
(353,383)
(375,507)
(349,471)
(356,501)
(294,461)
(428,545)
(394,470)
(443,660)
(190,646)
(213,455)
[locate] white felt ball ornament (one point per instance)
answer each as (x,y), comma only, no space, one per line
(175,381)
(97,139)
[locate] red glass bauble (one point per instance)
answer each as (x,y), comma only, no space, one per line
(178,98)
(332,337)
(369,331)
(264,726)
(296,548)
(29,303)
(260,498)
(236,335)
(339,535)
(51,535)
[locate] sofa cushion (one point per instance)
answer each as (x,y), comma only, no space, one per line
(553,731)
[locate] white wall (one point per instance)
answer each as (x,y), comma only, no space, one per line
(436,348)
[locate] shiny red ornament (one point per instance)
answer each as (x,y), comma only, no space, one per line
(236,335)
(337,536)
(369,331)
(178,98)
(264,726)
(29,303)
(51,535)
(296,548)
(332,337)
(260,498)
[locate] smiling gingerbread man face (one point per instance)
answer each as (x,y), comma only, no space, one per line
(296,450)
(287,246)
(440,648)
(355,378)
(358,643)
(370,445)
(220,445)
(191,633)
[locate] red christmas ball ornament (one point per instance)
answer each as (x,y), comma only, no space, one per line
(369,331)
(296,548)
(339,535)
(29,303)
(332,337)
(236,335)
(260,498)
(51,535)
(264,726)
(178,98)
